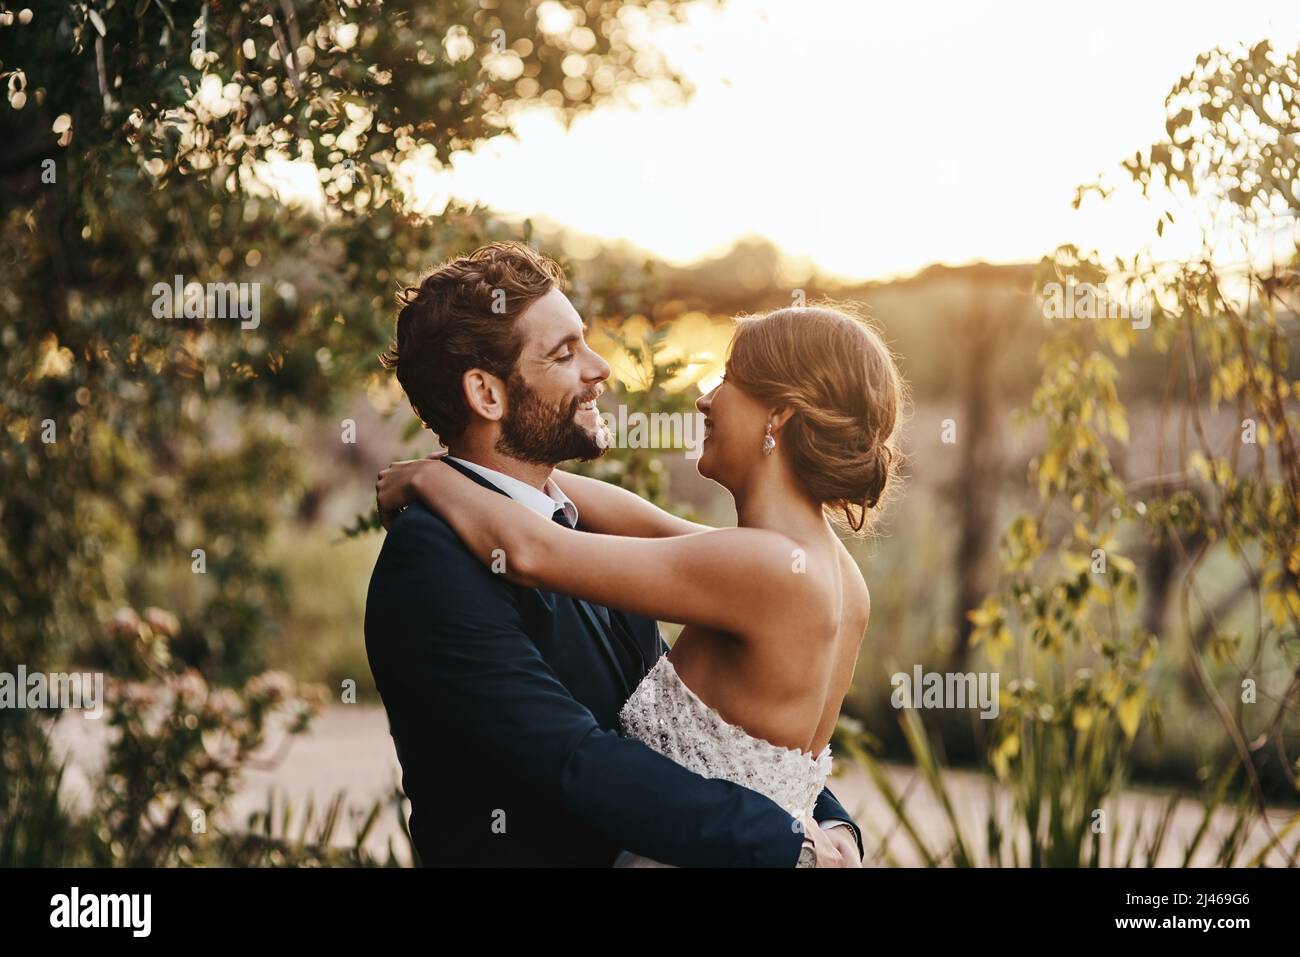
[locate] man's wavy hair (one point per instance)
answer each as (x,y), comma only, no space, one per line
(461,316)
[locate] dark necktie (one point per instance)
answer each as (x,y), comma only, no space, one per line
(601,611)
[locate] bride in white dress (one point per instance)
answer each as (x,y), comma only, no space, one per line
(668,716)
(800,430)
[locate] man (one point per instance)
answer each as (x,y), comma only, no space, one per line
(502,700)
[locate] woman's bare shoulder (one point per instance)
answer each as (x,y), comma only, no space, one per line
(857,597)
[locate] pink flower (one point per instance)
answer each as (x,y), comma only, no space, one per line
(273,686)
(125,623)
(162,622)
(190,689)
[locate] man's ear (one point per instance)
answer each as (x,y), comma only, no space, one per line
(485,393)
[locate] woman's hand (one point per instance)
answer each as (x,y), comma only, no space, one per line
(395,487)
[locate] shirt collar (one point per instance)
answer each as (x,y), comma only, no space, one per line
(544,502)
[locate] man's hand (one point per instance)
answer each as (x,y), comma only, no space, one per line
(825,843)
(846,844)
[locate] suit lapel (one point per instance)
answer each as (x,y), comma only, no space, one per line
(595,627)
(585,611)
(475,477)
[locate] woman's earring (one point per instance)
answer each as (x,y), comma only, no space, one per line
(769,441)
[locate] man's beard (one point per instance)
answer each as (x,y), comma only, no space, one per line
(539,434)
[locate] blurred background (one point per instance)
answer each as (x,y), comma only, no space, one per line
(1101,498)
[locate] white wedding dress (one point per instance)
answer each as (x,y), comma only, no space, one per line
(669,717)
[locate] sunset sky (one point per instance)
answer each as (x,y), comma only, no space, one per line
(874,139)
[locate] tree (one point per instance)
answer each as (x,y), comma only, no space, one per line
(147,434)
(1227,332)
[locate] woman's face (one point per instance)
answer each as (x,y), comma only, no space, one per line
(734,426)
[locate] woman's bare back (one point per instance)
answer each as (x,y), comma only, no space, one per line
(785,680)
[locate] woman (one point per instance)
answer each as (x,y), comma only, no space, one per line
(774,611)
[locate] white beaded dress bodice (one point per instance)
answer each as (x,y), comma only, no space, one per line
(669,717)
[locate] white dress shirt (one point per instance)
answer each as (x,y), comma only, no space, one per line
(544,502)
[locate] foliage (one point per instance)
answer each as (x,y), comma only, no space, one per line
(149,140)
(177,749)
(161,158)
(1222,330)
(1227,333)
(653,370)
(1226,321)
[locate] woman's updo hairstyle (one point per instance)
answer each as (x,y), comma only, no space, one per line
(833,369)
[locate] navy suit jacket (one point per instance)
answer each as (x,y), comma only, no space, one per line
(503,705)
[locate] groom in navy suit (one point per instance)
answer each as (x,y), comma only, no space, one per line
(503,700)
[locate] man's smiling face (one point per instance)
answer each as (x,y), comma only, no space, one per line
(551,414)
